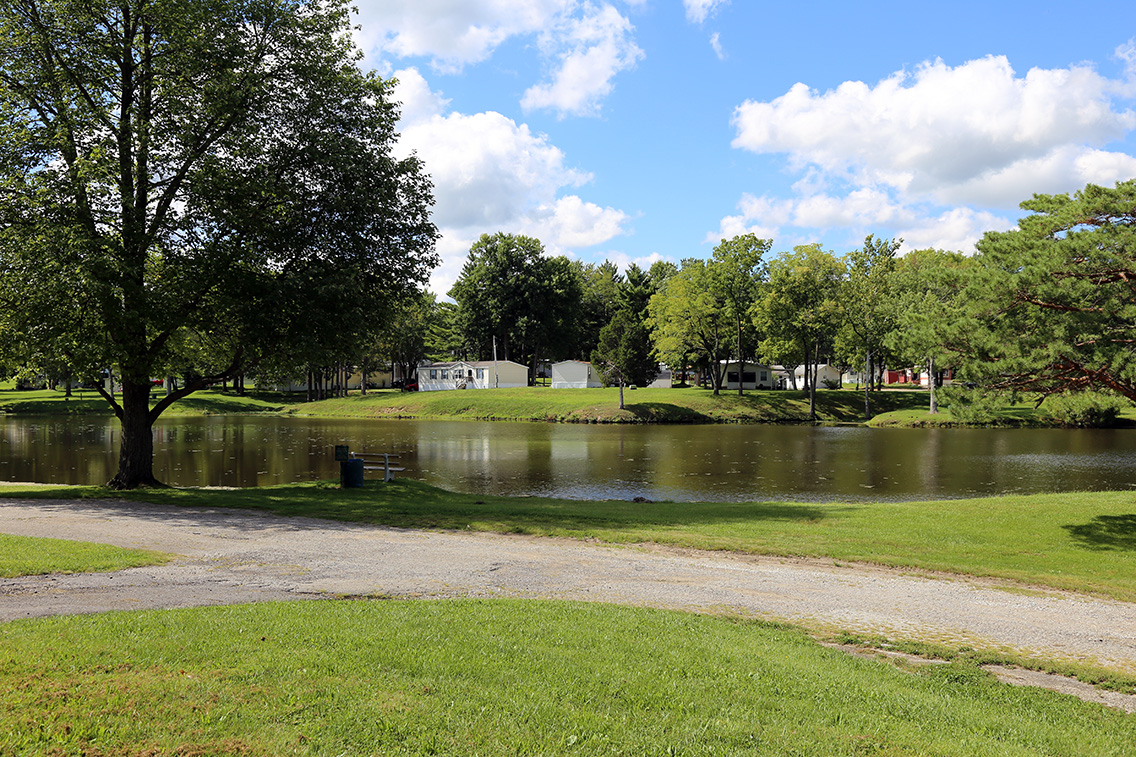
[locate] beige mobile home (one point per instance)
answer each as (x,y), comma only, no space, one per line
(476,374)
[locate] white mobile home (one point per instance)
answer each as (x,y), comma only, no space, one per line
(477,374)
(826,375)
(575,374)
(754,376)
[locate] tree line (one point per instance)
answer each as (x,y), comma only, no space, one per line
(1045,308)
(805,306)
(209,189)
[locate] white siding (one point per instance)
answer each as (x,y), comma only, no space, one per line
(574,374)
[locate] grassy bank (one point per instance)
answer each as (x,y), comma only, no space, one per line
(891,408)
(499,677)
(29,556)
(1076,541)
(523,404)
(89,402)
(602,405)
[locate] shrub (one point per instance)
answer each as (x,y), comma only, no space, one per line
(1083,409)
(970,405)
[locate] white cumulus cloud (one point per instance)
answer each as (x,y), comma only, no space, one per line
(590,51)
(584,45)
(492,174)
(956,229)
(941,130)
(452,33)
(716,45)
(937,155)
(698,11)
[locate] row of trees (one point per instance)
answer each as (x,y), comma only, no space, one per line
(208,188)
(1047,307)
(802,307)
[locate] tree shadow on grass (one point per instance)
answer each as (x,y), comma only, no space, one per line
(1106,532)
(409,504)
(665,412)
(219,405)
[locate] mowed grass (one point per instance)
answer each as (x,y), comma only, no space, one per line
(602,405)
(33,556)
(500,677)
(89,402)
(1084,541)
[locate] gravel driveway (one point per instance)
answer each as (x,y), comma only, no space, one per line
(230,556)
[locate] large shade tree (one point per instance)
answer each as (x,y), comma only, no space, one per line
(738,272)
(929,311)
(214,174)
(867,305)
(1057,296)
(801,306)
(515,300)
(688,316)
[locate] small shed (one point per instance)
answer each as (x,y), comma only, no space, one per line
(575,374)
(662,378)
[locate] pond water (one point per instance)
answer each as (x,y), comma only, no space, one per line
(685,463)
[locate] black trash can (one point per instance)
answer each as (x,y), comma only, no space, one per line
(351,474)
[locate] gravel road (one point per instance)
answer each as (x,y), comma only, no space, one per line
(229,556)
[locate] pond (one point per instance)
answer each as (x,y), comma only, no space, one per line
(685,463)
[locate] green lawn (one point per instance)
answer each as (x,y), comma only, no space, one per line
(1077,541)
(499,677)
(30,556)
(892,407)
(89,402)
(602,405)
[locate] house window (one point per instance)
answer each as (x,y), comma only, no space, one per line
(445,375)
(480,373)
(732,377)
(749,377)
(433,373)
(764,377)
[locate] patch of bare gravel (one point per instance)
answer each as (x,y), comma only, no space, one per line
(229,556)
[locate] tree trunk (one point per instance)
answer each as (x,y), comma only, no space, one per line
(931,385)
(136,460)
(740,374)
(810,384)
(867,385)
(620,392)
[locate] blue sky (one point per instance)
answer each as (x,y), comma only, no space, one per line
(650,129)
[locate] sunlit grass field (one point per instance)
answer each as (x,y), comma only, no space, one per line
(500,677)
(26,556)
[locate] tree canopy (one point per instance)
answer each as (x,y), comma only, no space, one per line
(1057,296)
(510,291)
(800,306)
(211,176)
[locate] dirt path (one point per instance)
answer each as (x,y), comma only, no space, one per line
(234,556)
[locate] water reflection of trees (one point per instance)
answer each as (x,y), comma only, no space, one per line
(671,462)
